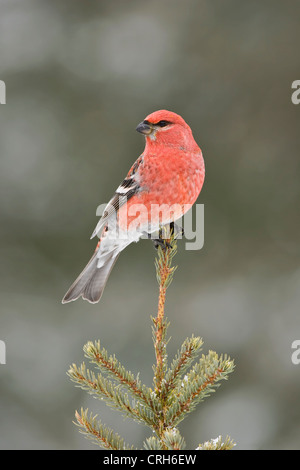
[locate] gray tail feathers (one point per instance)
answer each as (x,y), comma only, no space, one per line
(91,281)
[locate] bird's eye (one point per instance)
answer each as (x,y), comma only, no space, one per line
(163,123)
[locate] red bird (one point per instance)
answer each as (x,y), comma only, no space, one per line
(160,187)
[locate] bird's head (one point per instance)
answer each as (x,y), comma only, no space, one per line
(165,127)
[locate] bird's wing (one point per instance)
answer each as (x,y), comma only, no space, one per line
(128,188)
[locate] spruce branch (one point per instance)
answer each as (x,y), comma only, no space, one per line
(173,440)
(200,382)
(153,443)
(177,388)
(111,366)
(94,430)
(164,275)
(190,349)
(106,390)
(217,444)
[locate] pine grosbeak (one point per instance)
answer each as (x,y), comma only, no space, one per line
(159,188)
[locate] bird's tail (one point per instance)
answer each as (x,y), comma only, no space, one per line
(92,280)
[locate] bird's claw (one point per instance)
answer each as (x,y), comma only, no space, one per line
(161,242)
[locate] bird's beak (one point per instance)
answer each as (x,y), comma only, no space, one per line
(145,128)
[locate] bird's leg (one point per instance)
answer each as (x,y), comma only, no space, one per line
(160,241)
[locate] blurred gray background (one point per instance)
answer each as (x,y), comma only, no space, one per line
(80,76)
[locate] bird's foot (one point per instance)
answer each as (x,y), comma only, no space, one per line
(161,242)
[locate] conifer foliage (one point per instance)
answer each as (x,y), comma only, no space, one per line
(177,389)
